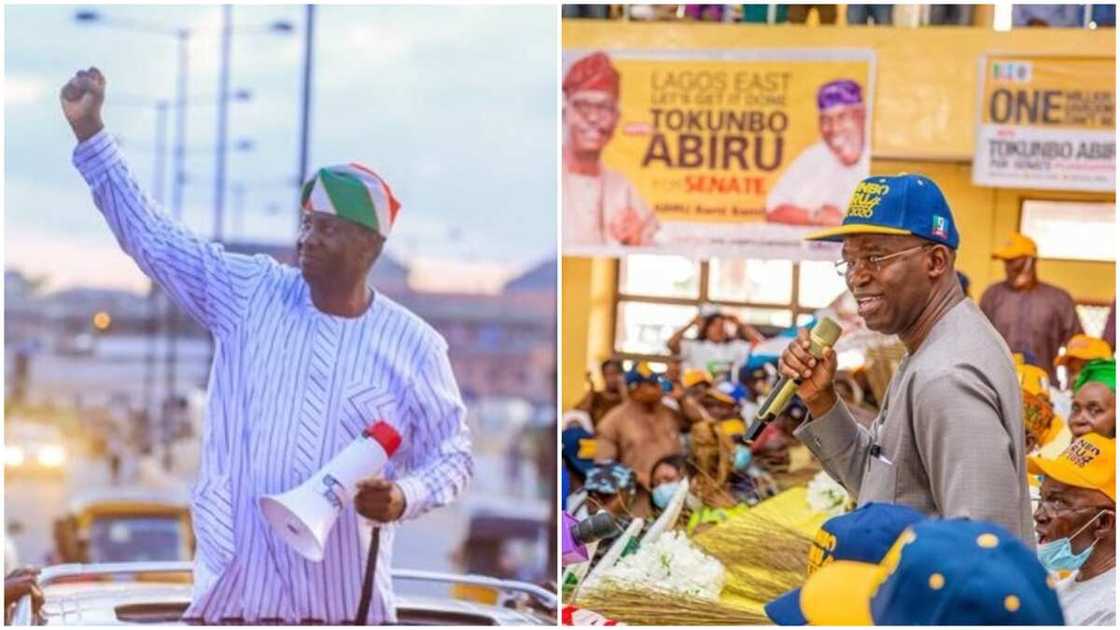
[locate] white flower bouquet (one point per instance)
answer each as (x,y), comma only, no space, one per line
(669,563)
(827,495)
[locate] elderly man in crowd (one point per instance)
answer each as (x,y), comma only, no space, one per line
(1076,527)
(1035,318)
(948,440)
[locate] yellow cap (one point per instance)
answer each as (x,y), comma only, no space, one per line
(1084,347)
(1016,247)
(733,426)
(1088,462)
(693,376)
(857,581)
(1033,380)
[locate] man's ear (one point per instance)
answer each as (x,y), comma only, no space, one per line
(940,262)
(1105,525)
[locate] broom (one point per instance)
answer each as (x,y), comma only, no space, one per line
(654,606)
(764,557)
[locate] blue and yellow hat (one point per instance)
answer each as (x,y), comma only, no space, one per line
(954,572)
(642,372)
(903,204)
(863,535)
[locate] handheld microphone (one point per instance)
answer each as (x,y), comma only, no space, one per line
(577,534)
(822,336)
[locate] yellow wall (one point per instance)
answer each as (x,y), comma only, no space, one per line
(924,121)
(587,321)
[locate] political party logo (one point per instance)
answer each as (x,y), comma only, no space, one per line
(940,226)
(1014,71)
(865,198)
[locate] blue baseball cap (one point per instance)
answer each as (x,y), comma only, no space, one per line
(862,535)
(642,372)
(954,572)
(903,204)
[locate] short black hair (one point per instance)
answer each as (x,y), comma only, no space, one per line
(703,334)
(609,362)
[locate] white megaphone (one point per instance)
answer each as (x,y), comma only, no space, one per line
(304,516)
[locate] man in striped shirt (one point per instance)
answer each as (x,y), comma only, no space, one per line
(305,358)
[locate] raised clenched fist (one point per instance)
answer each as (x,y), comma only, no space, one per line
(82,97)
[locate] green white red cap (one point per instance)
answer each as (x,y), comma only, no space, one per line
(352,192)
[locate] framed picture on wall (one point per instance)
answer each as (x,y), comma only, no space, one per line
(1070,230)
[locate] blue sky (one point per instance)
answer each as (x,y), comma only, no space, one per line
(454,106)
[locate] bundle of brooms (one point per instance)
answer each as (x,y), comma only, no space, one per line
(652,605)
(763,557)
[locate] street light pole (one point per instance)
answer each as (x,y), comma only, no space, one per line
(177,183)
(305,119)
(223,125)
(159,175)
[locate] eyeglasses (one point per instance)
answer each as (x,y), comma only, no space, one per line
(587,109)
(844,266)
(1057,506)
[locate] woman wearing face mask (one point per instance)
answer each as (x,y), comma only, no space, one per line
(666,478)
(1076,527)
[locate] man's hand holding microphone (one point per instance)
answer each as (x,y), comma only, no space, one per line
(808,367)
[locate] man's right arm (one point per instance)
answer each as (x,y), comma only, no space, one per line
(831,433)
(213,286)
(841,444)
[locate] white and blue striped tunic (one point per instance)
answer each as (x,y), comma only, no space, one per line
(290,386)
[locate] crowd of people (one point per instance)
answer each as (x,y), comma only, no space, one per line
(1030,476)
(1023,15)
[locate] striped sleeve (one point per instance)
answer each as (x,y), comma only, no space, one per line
(213,286)
(439,463)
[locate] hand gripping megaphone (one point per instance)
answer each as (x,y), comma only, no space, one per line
(303,517)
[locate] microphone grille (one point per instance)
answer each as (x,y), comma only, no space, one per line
(826,332)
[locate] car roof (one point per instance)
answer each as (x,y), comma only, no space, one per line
(104,603)
(125,593)
(129,497)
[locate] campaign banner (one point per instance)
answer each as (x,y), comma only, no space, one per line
(1046,122)
(704,153)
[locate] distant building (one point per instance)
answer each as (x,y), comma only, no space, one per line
(500,345)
